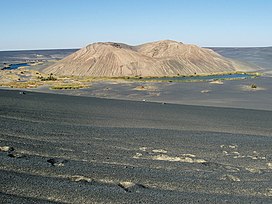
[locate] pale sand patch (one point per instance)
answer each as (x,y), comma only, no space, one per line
(54,199)
(146,88)
(127,184)
(268,192)
(164,157)
(189,158)
(206,91)
(269,164)
(226,153)
(236,153)
(253,170)
(65,149)
(106,181)
(138,155)
(143,148)
(78,178)
(130,186)
(159,151)
(189,155)
(6,149)
(232,169)
(233,146)
(230,178)
(116,81)
(256,157)
(217,82)
(239,157)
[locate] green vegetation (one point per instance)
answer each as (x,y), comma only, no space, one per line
(68,86)
(49,78)
(29,84)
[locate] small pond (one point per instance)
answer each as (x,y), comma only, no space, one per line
(15,66)
(203,78)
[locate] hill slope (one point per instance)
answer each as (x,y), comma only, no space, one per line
(162,58)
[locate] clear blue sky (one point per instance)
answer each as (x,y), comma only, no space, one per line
(38,24)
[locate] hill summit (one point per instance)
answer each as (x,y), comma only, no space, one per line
(162,58)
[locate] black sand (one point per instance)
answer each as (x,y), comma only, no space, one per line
(82,150)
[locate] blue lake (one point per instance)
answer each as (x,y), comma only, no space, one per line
(15,66)
(204,78)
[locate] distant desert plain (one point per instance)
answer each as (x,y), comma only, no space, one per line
(157,71)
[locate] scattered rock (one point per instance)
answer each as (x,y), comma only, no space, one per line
(230,178)
(137,155)
(205,91)
(116,45)
(78,178)
(231,168)
(268,192)
(159,151)
(254,170)
(57,162)
(130,186)
(253,86)
(16,155)
(143,148)
(212,165)
(233,146)
(189,155)
(6,149)
(164,157)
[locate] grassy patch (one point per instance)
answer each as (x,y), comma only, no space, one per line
(49,78)
(68,86)
(29,84)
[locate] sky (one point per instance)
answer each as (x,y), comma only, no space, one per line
(46,24)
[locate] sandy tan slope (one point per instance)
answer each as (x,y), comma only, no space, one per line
(162,58)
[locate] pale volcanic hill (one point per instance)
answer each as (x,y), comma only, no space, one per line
(162,58)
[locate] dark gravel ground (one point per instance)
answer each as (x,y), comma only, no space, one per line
(69,149)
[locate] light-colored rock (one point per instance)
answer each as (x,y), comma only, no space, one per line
(78,178)
(6,149)
(229,177)
(159,151)
(163,157)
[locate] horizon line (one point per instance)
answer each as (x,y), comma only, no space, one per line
(44,49)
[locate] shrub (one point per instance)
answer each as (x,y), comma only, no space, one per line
(68,86)
(50,78)
(253,86)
